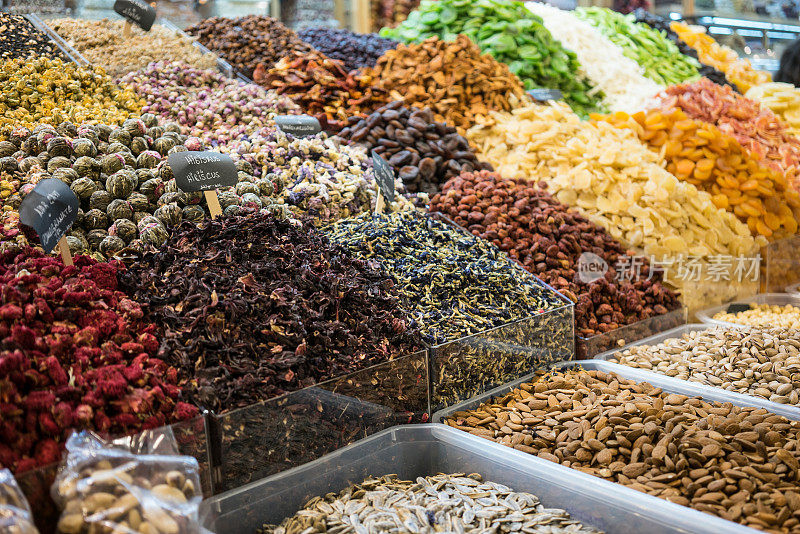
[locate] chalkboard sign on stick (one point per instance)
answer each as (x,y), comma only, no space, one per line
(137,11)
(298,125)
(384,176)
(543,95)
(50,209)
(204,171)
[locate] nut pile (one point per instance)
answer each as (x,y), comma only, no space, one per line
(608,175)
(326,314)
(51,91)
(527,223)
(453,79)
(321,87)
(102,42)
(455,502)
(313,176)
(740,464)
(755,127)
(355,50)
(785,316)
(701,154)
(109,489)
(450,283)
(247,42)
(204,102)
(122,178)
(423,153)
(760,362)
(20,39)
(76,355)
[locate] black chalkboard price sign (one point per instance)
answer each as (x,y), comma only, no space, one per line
(384,175)
(543,95)
(737,308)
(204,171)
(50,209)
(298,125)
(137,11)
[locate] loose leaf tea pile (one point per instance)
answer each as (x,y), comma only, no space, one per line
(451,283)
(75,354)
(251,307)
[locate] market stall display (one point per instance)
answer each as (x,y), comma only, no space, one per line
(103,44)
(723,357)
(511,34)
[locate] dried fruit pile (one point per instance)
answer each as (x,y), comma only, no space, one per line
(453,79)
(738,71)
(321,87)
(281,309)
(701,154)
(76,353)
(423,153)
(783,99)
(740,464)
(511,34)
(204,102)
(355,50)
(248,42)
(660,57)
(526,222)
(754,126)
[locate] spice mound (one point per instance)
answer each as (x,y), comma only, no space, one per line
(426,503)
(454,79)
(76,354)
(102,42)
(246,42)
(51,91)
(204,102)
(252,307)
(315,176)
(739,464)
(321,87)
(452,283)
(759,362)
(784,316)
(423,153)
(355,50)
(19,39)
(550,240)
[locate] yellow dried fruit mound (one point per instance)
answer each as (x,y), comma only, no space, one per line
(705,156)
(614,179)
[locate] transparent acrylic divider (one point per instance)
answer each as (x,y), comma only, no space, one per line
(781,265)
(587,347)
(780,299)
(423,450)
(223,66)
(301,426)
(472,365)
(696,295)
(72,54)
(190,437)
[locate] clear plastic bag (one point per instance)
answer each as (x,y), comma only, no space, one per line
(15,514)
(109,488)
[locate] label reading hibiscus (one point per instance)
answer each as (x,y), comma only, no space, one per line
(202,171)
(50,209)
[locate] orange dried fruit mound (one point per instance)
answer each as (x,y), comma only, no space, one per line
(705,156)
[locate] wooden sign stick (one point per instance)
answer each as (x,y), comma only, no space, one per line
(66,255)
(380,204)
(213,203)
(126,29)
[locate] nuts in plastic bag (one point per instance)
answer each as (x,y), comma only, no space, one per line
(106,488)
(15,514)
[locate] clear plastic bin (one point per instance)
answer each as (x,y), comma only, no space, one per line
(656,339)
(588,347)
(780,299)
(423,450)
(223,66)
(72,54)
(781,264)
(794,289)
